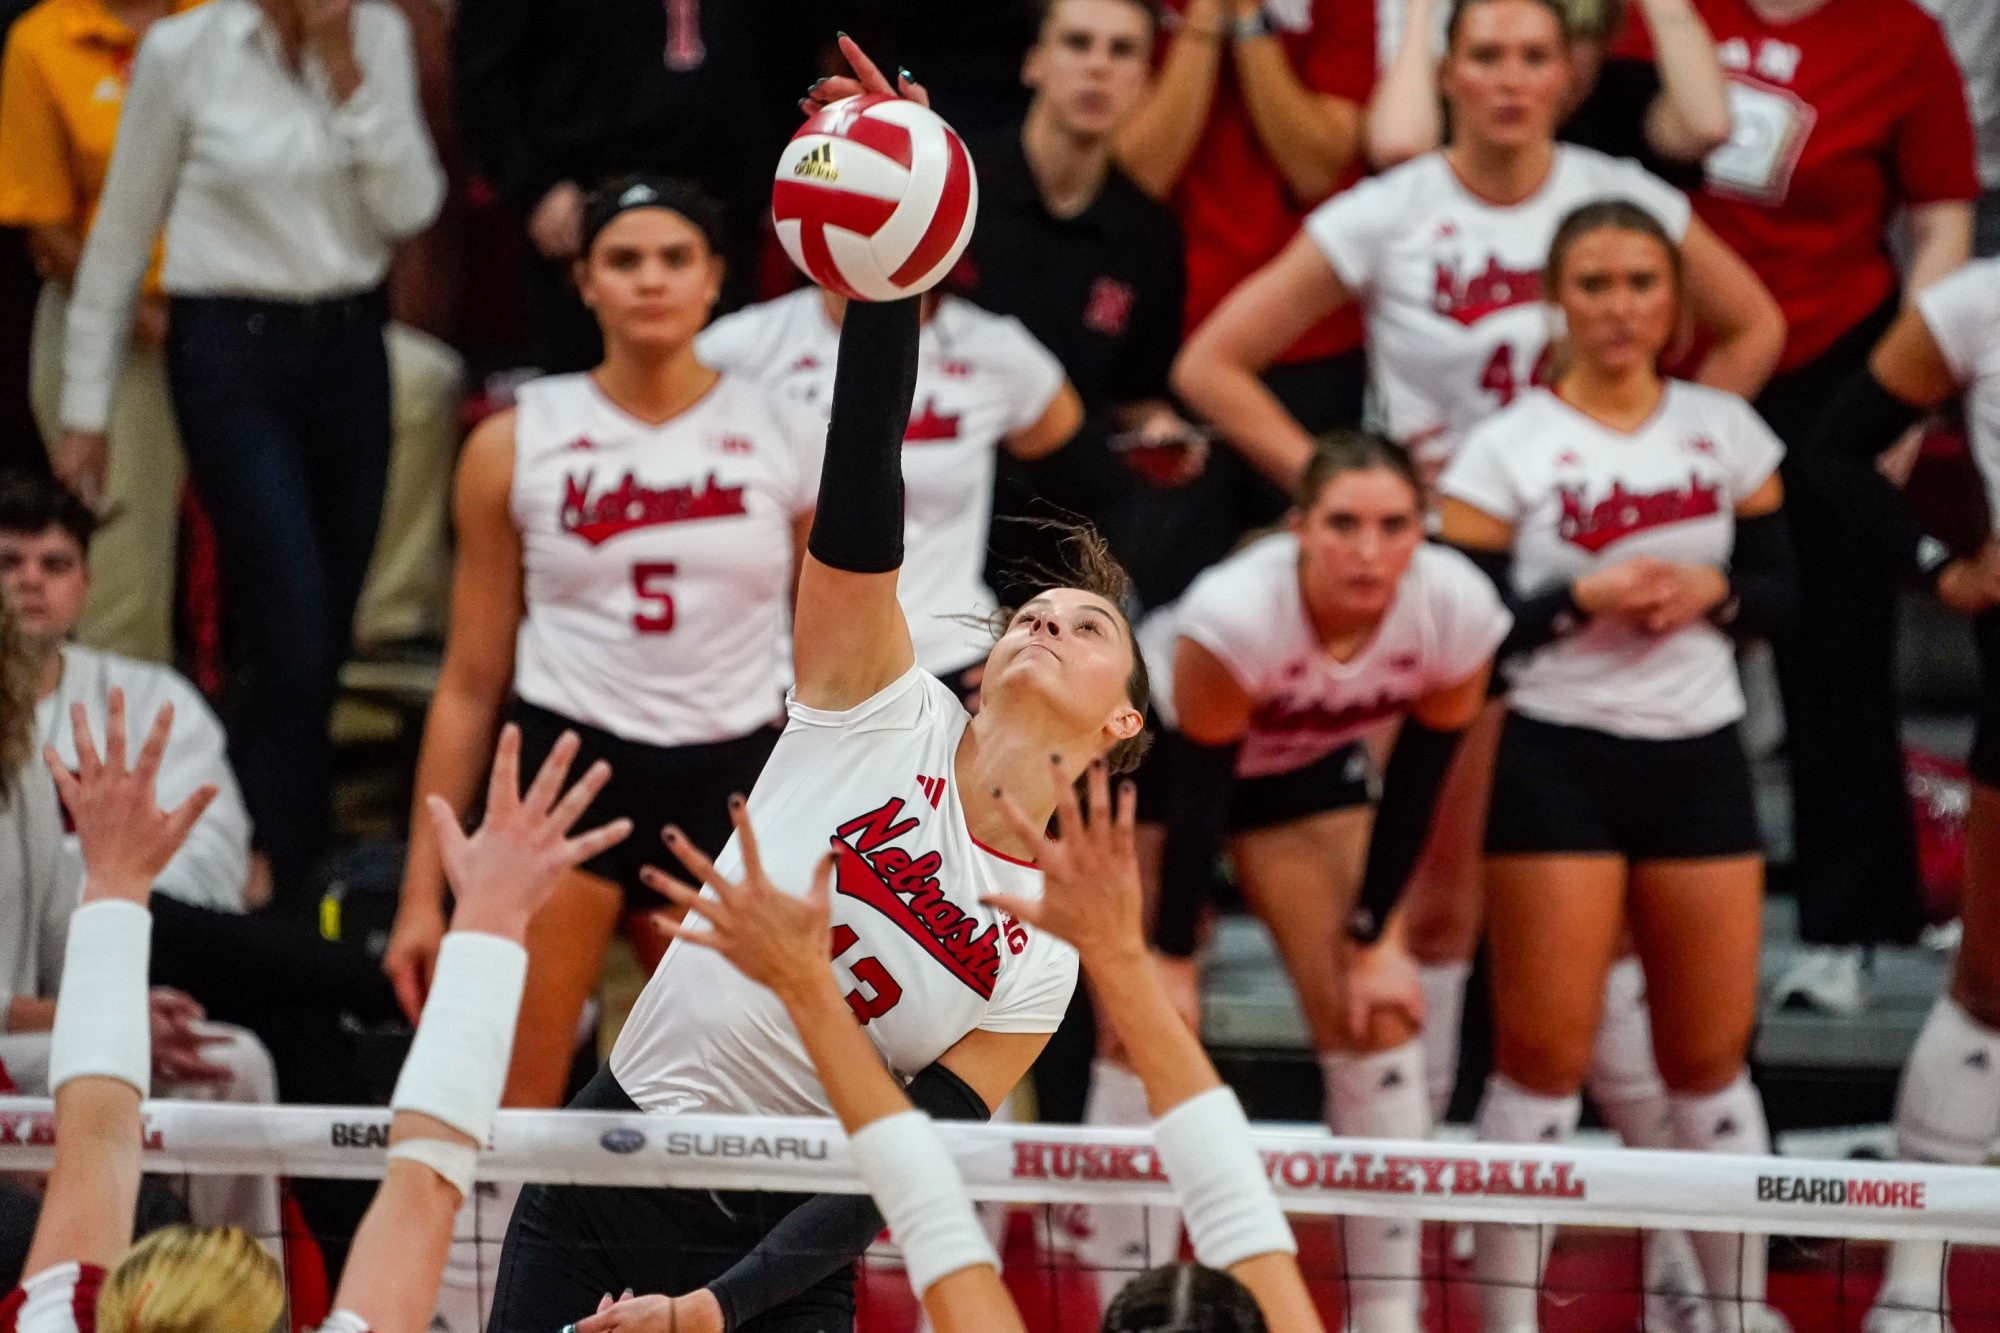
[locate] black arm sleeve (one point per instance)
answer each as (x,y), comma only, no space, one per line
(1539,618)
(1763,579)
(1416,771)
(858,525)
(1197,805)
(827,1232)
(1835,469)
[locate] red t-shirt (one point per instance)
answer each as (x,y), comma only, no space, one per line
(1842,117)
(1233,204)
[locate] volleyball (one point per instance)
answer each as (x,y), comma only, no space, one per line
(875,197)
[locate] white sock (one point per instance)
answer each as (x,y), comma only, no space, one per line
(1444,1011)
(1380,1096)
(1624,1082)
(1947,1110)
(1732,1265)
(1123,1239)
(1509,1257)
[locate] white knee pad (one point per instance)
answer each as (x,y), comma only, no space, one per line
(1624,1080)
(1948,1108)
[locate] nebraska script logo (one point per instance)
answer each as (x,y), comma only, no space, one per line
(1494,288)
(870,868)
(1623,512)
(599,516)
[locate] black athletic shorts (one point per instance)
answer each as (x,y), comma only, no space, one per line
(1985,763)
(568,1245)
(653,786)
(1339,781)
(1575,789)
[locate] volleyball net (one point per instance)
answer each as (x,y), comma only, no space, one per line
(1826,1222)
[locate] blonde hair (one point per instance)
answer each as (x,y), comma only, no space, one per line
(193,1280)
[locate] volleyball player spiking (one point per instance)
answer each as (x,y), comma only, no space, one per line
(881,757)
(84,1273)
(1633,524)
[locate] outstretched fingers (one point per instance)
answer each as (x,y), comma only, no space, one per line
(1125,821)
(88,765)
(503,782)
(152,752)
(1069,815)
(597,841)
(1024,828)
(746,839)
(579,797)
(696,861)
(183,817)
(541,794)
(114,732)
(446,828)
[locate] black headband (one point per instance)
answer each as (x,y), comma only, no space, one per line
(626,193)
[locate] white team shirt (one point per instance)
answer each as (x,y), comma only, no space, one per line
(61,1298)
(1444,624)
(923,961)
(1582,496)
(980,378)
(1452,285)
(212,868)
(657,560)
(1963,314)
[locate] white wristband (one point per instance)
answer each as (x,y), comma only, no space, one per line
(917,1186)
(1204,1147)
(458,1062)
(104,1028)
(454,1163)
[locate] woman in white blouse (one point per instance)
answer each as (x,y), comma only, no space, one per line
(281,144)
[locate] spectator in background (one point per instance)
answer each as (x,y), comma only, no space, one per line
(1668,113)
(62,88)
(45,540)
(556,96)
(1067,244)
(1973,29)
(1255,117)
(1846,114)
(282,142)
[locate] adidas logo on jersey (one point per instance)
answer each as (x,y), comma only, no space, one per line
(598,516)
(1494,288)
(1623,512)
(933,789)
(818,164)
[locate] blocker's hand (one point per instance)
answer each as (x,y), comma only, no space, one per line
(867,79)
(1090,869)
(125,837)
(775,939)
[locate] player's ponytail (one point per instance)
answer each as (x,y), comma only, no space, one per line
(1184,1298)
(184,1279)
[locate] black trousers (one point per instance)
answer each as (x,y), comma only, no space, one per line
(284,414)
(1855,858)
(568,1245)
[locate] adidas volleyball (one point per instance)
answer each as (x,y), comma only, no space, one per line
(875,197)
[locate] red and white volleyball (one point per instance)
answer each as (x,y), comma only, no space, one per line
(875,198)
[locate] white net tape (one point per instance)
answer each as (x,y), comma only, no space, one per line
(1313,1172)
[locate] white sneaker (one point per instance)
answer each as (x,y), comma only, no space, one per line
(1894,1314)
(1827,980)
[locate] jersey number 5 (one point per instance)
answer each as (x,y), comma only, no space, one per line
(1503,381)
(872,976)
(656,604)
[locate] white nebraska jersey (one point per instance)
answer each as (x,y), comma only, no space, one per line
(1452,285)
(657,560)
(980,378)
(922,960)
(1249,611)
(1582,496)
(1963,315)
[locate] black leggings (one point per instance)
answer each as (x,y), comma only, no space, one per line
(1855,859)
(568,1245)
